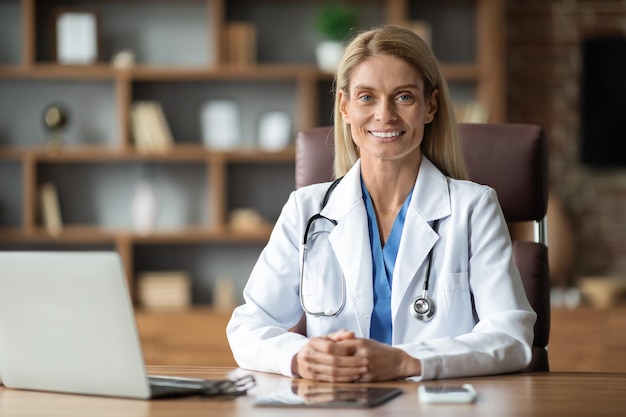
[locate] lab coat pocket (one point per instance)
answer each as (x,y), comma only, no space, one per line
(455,281)
(456,293)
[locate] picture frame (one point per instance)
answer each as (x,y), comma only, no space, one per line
(76,36)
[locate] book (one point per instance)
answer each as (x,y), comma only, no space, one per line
(162,135)
(164,290)
(149,127)
(139,130)
(50,210)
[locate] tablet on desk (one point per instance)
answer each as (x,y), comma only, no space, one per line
(328,396)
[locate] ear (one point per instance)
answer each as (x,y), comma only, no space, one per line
(344,102)
(433,106)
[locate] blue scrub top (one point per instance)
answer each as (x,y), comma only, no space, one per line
(383,261)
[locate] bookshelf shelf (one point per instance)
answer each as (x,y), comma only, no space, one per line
(93,234)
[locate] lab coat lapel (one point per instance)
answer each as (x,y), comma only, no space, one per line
(430,201)
(350,241)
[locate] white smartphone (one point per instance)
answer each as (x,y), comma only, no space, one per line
(446,394)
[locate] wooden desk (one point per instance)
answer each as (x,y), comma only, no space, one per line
(536,395)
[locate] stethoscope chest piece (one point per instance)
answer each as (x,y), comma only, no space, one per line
(423,308)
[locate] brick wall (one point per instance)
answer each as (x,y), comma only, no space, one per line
(544,67)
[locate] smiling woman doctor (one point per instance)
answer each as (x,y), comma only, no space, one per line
(403,267)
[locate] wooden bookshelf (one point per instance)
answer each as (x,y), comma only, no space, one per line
(95,168)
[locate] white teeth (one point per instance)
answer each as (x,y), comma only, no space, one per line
(386,134)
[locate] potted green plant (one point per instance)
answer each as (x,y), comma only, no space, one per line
(335,22)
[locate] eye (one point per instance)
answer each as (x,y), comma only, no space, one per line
(405,97)
(366,98)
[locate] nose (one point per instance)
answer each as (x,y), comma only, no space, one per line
(385,111)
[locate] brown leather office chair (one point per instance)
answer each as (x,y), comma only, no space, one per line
(511,158)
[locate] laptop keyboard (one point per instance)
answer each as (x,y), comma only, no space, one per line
(164,386)
(174,387)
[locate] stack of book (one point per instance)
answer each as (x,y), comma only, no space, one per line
(149,127)
(164,290)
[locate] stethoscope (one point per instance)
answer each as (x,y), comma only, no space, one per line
(423,307)
(329,312)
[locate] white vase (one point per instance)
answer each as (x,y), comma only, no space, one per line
(274,131)
(221,125)
(144,207)
(328,55)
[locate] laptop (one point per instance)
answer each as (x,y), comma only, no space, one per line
(67,325)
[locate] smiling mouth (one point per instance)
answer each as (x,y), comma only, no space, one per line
(387,135)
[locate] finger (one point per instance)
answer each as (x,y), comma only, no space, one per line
(334,357)
(383,361)
(321,366)
(331,347)
(325,373)
(341,335)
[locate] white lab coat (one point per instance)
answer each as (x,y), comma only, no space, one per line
(472,260)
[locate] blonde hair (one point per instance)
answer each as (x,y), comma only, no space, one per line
(440,144)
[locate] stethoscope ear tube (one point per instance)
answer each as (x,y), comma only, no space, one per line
(424,308)
(328,312)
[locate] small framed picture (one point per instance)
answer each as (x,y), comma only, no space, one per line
(76,37)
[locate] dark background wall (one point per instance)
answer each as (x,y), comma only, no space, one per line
(544,79)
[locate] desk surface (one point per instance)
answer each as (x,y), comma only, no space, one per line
(537,395)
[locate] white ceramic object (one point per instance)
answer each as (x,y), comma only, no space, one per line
(328,55)
(221,124)
(274,131)
(145,206)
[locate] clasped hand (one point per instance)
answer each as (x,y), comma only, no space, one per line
(342,357)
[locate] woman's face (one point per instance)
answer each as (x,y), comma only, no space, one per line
(386,109)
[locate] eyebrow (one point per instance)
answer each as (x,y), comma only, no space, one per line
(400,87)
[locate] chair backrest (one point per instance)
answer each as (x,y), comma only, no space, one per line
(512,159)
